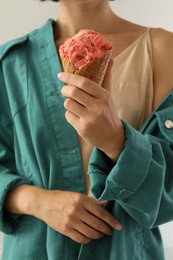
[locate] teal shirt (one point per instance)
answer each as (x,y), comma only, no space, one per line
(38,147)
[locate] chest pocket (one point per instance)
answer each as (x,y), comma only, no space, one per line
(14,77)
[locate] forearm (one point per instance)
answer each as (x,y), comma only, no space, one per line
(73,214)
(25,200)
(116,145)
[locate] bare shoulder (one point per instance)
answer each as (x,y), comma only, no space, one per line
(162,46)
(162,40)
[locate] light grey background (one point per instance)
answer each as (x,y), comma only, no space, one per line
(18,17)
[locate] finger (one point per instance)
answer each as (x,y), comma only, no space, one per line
(109,219)
(72,119)
(88,231)
(96,223)
(107,79)
(104,215)
(77,94)
(83,83)
(74,107)
(78,237)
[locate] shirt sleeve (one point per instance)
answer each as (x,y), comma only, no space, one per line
(9,179)
(141,180)
(9,176)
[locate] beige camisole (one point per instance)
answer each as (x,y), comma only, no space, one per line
(132,89)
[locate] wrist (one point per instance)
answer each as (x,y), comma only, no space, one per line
(45,201)
(34,204)
(116,144)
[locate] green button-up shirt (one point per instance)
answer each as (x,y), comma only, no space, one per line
(38,147)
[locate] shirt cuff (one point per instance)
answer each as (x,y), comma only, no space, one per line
(110,181)
(9,222)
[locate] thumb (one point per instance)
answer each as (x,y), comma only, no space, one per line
(107,79)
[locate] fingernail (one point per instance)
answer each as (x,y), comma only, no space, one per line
(60,75)
(118,227)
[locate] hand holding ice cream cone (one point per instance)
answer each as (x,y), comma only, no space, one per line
(92,112)
(86,58)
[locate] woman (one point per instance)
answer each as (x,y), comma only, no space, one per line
(46,208)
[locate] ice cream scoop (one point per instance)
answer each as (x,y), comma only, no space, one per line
(87,53)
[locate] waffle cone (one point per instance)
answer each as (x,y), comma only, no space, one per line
(94,71)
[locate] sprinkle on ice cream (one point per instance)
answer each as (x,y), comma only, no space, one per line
(85,47)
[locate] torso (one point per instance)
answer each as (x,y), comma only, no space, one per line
(122,39)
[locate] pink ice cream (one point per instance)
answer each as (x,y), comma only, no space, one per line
(85,47)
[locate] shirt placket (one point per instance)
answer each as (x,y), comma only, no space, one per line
(65,135)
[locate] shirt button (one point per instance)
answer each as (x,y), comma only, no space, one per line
(168,124)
